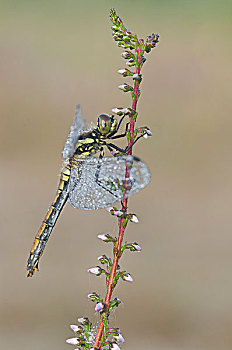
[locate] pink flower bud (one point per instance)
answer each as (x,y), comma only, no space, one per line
(125,110)
(126,54)
(106,237)
(130,62)
(110,209)
(134,219)
(103,237)
(83,320)
(120,111)
(118,213)
(101,257)
(119,338)
(93,296)
(116,110)
(145,136)
(122,71)
(99,307)
(122,87)
(125,87)
(114,346)
(136,247)
(136,76)
(75,328)
(95,270)
(114,152)
(73,341)
(127,277)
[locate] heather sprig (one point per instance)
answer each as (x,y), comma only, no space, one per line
(103,336)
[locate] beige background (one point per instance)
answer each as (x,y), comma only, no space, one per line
(55,54)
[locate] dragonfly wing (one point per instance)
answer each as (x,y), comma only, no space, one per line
(99,183)
(75,130)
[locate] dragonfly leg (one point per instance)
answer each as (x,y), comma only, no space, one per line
(123,206)
(119,124)
(121,135)
(125,150)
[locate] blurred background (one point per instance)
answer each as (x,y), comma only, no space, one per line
(55,54)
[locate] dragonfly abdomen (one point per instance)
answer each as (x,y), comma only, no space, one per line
(49,221)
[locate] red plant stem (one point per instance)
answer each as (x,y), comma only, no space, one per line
(117,252)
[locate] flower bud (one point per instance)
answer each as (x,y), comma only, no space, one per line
(149,133)
(93,296)
(114,303)
(102,257)
(114,346)
(122,71)
(115,211)
(120,111)
(137,77)
(117,110)
(136,247)
(110,209)
(99,307)
(73,341)
(145,136)
(95,270)
(145,131)
(118,213)
(125,111)
(125,87)
(119,338)
(127,277)
(127,55)
(125,72)
(152,40)
(114,153)
(83,320)
(76,329)
(106,237)
(104,260)
(134,219)
(122,87)
(130,62)
(133,247)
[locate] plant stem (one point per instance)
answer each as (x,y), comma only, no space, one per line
(117,251)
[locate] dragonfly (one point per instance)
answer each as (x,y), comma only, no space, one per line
(89,180)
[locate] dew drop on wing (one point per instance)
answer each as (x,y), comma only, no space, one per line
(90,192)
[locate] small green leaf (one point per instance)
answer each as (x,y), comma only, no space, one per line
(133,95)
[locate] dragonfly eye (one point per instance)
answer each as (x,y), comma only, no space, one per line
(106,124)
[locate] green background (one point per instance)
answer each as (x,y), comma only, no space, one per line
(55,54)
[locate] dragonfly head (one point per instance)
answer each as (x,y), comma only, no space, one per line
(106,125)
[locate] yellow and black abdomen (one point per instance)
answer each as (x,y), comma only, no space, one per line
(49,221)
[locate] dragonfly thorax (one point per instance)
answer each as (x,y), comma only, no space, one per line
(106,125)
